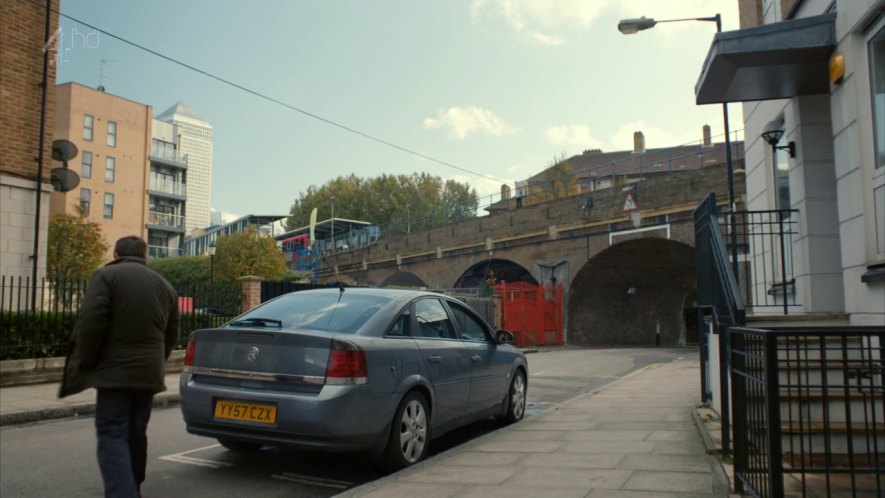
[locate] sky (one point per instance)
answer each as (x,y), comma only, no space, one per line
(485,92)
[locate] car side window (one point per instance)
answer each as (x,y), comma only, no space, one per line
(471,328)
(432,319)
(400,327)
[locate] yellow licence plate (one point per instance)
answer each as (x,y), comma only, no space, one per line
(249,412)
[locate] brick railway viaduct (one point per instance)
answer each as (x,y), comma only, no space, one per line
(622,277)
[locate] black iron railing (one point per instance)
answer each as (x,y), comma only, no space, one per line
(807,411)
(766,238)
(41,327)
(719,301)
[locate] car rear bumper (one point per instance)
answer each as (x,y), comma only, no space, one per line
(337,418)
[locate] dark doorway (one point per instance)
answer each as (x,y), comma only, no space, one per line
(493,271)
(633,293)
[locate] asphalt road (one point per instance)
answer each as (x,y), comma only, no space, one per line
(57,458)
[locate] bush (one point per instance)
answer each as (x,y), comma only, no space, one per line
(35,334)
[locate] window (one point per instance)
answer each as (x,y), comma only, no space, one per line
(109,206)
(433,321)
(471,328)
(781,179)
(400,327)
(86,164)
(876,49)
(112,133)
(877,86)
(87,127)
(110,169)
(85,198)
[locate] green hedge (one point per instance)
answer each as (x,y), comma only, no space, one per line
(35,334)
(47,334)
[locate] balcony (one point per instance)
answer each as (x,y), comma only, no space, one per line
(161,252)
(176,190)
(165,221)
(169,157)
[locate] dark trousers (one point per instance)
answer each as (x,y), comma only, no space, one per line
(121,420)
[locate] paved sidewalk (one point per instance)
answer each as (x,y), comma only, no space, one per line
(634,438)
(21,404)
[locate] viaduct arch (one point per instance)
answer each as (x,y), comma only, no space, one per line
(595,256)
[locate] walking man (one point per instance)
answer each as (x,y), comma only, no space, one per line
(126,329)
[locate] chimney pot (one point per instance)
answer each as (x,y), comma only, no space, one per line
(638,142)
(708,141)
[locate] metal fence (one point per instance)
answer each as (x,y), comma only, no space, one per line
(808,411)
(767,239)
(36,320)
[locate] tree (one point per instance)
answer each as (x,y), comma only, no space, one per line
(417,201)
(76,248)
(557,181)
(248,253)
(183,272)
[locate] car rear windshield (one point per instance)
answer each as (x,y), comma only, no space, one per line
(333,312)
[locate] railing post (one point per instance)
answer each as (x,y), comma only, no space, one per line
(703,341)
(780,223)
(724,392)
(739,391)
(773,401)
(251,292)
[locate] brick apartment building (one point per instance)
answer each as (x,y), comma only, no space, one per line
(26,28)
(113,138)
(133,178)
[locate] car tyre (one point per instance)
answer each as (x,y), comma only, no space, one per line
(409,433)
(515,398)
(239,446)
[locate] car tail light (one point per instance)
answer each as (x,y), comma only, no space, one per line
(190,352)
(347,365)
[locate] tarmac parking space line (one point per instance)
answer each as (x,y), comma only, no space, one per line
(201,462)
(312,481)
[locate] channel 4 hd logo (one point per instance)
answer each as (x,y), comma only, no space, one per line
(63,42)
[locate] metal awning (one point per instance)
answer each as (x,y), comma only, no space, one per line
(774,61)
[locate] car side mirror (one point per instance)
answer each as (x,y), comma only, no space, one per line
(505,336)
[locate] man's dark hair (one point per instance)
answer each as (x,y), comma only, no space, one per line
(131,246)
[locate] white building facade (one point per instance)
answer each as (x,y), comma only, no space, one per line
(194,140)
(813,71)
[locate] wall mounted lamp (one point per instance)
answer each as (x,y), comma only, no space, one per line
(773,132)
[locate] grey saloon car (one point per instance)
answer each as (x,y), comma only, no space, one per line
(356,369)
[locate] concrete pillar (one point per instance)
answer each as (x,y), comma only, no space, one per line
(251,292)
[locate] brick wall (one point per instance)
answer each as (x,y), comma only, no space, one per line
(750,13)
(21,75)
(22,38)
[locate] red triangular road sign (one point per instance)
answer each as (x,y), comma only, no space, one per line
(630,203)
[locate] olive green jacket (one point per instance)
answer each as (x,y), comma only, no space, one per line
(126,329)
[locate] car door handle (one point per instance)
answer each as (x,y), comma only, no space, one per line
(476,358)
(434,358)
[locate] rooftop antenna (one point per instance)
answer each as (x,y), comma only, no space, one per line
(101,73)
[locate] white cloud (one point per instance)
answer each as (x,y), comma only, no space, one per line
(538,17)
(547,39)
(574,139)
(521,13)
(571,135)
(655,137)
(229,217)
(461,121)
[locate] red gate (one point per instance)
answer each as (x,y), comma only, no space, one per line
(532,312)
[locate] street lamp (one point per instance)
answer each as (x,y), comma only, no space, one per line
(211,272)
(211,261)
(333,222)
(631,26)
